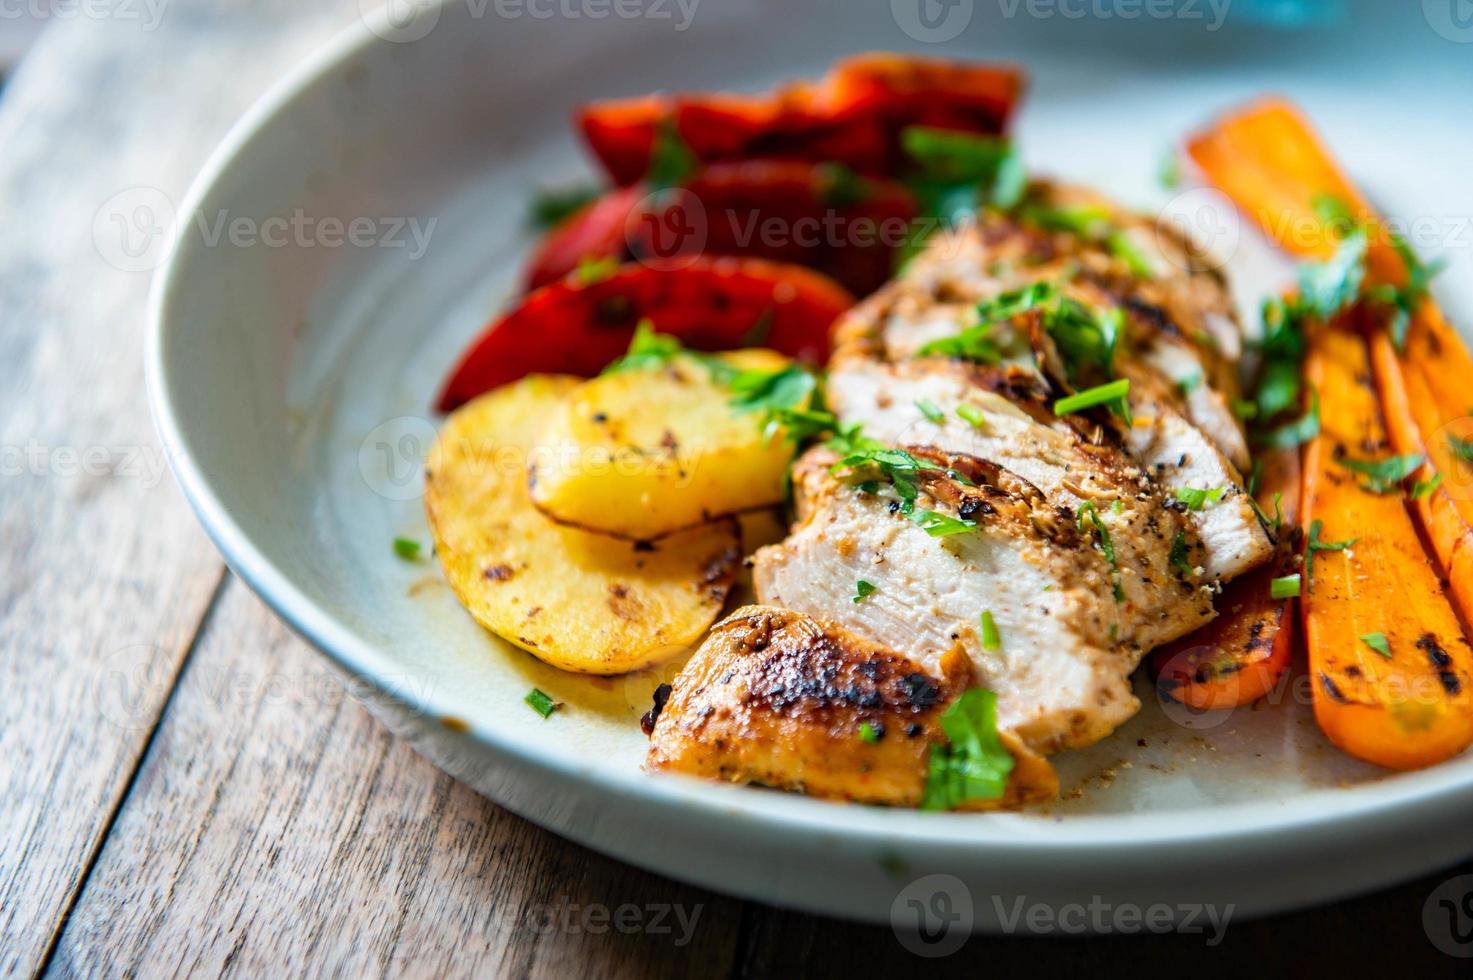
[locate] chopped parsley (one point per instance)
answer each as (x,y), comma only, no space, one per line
(785,397)
(1286,587)
(863,590)
(1422,488)
(1121,246)
(1168,171)
(1277,522)
(991,638)
(1089,510)
(671,160)
(1377,641)
(1190,383)
(553,207)
(840,186)
(1178,557)
(972,344)
(972,415)
(930,411)
(960,172)
(591,271)
(407,548)
(1314,545)
(868,733)
(1112,393)
(1196,498)
(648,350)
(975,764)
(1461,448)
(941,525)
(541,703)
(1384,475)
(1299,431)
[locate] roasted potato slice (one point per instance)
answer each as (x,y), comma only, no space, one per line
(579,601)
(640,454)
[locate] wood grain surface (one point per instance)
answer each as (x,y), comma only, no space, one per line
(184,786)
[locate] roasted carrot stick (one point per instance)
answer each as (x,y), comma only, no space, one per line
(1241,655)
(1392,673)
(1270,162)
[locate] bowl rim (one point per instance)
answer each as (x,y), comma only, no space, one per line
(1375,807)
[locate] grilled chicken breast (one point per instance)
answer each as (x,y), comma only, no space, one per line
(1086,539)
(775,698)
(1067,645)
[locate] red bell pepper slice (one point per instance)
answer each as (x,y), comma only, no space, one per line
(577,327)
(853,116)
(784,211)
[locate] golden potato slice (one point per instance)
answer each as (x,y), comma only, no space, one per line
(640,454)
(582,602)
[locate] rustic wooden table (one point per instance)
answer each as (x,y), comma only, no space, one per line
(182,786)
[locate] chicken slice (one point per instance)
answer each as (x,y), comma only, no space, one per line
(1187,437)
(1067,645)
(775,698)
(918,403)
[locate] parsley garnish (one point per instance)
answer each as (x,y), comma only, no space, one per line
(1196,498)
(784,396)
(961,171)
(1286,587)
(1422,488)
(840,186)
(648,350)
(591,271)
(868,733)
(553,207)
(1384,475)
(1189,384)
(1377,641)
(1301,430)
(1120,246)
(1271,526)
(541,703)
(671,160)
(862,590)
(972,415)
(991,638)
(975,765)
(1168,171)
(1314,546)
(1112,394)
(972,344)
(1088,509)
(1461,448)
(941,525)
(1178,557)
(930,411)
(407,548)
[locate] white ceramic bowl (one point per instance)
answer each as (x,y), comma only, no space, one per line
(291,379)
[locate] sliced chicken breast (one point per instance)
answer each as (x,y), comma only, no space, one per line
(1067,646)
(776,698)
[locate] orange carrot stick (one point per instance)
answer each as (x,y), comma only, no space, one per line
(1270,162)
(1392,673)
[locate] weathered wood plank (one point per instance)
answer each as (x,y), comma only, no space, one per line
(276,828)
(104,574)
